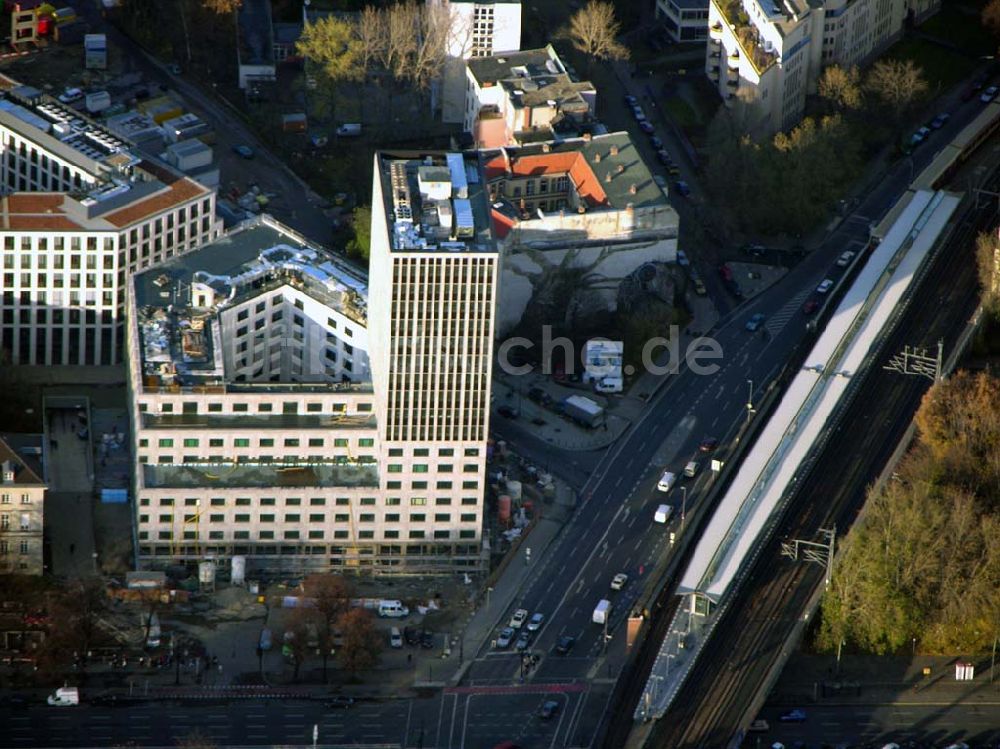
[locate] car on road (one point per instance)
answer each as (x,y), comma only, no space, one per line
(682,259)
(243,151)
(656,143)
(759,725)
(699,287)
(825,286)
(427,639)
(793,716)
(920,136)
(174,69)
(549,709)
(508,412)
(683,188)
(666,482)
(756,250)
(619,581)
(647,127)
(518,619)
(755,322)
(631,101)
(341,701)
(989,94)
(535,623)
(845,259)
(639,115)
(673,170)
(810,306)
(523,641)
(663,156)
(538,395)
(504,638)
(938,122)
(565,644)
(708,444)
(70,95)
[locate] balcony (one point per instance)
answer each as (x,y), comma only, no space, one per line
(715,55)
(733,73)
(733,60)
(746,34)
(733,82)
(715,31)
(713,73)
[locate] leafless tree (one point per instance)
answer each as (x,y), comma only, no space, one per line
(841,87)
(593,30)
(362,643)
(332,596)
(898,84)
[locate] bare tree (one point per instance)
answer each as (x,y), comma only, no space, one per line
(988,265)
(898,84)
(332,597)
(841,87)
(222,7)
(296,645)
(371,34)
(593,30)
(362,644)
(332,43)
(432,24)
(401,41)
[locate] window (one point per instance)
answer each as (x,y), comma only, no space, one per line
(470,484)
(444,485)
(393,501)
(293,518)
(241,518)
(240,408)
(317,517)
(367,517)
(445,468)
(266,442)
(368,501)
(291,442)
(317,501)
(166,442)
(416,534)
(467,534)
(291,535)
(243,501)
(316,535)
(442,534)
(294,501)
(267,518)
(190,442)
(418,501)
(395,452)
(216,442)
(470,468)
(315,442)
(446,452)
(469,501)
(442,517)
(418,484)
(366,442)
(421,452)
(472,452)
(341,442)
(442,501)
(395,468)
(166,502)
(241,442)
(468,517)
(392,517)
(393,484)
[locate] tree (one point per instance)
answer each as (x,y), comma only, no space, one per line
(75,614)
(360,244)
(841,87)
(332,43)
(297,646)
(898,84)
(432,25)
(362,643)
(222,7)
(332,597)
(990,16)
(593,30)
(988,266)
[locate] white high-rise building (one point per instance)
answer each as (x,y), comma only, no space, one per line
(80,210)
(284,414)
(765,56)
(477,28)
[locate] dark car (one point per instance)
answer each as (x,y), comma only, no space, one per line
(549,709)
(682,187)
(755,322)
(341,701)
(631,101)
(734,289)
(647,127)
(426,639)
(708,444)
(411,635)
(243,151)
(656,143)
(508,412)
(793,716)
(938,122)
(565,644)
(663,156)
(810,306)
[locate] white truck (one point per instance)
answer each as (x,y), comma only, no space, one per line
(602,611)
(65,697)
(583,411)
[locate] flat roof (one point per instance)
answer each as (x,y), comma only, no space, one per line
(526,63)
(767,471)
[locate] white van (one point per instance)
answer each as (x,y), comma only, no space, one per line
(667,481)
(609,385)
(601,611)
(691,469)
(65,697)
(395,638)
(663,513)
(392,609)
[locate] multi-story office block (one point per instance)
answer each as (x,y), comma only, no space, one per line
(22,504)
(683,20)
(284,414)
(765,56)
(477,28)
(80,211)
(523,97)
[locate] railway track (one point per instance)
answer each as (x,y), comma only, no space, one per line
(708,710)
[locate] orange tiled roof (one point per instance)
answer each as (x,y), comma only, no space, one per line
(180,191)
(33,211)
(572,163)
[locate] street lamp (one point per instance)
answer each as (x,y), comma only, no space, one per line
(684,499)
(750,410)
(488,591)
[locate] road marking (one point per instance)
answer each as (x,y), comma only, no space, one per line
(409,712)
(632,521)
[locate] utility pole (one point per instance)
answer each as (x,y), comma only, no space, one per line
(684,500)
(813,551)
(750,410)
(916,361)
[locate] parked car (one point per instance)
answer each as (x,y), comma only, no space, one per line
(734,289)
(504,638)
(755,250)
(989,95)
(682,187)
(631,101)
(938,122)
(411,635)
(825,286)
(341,701)
(619,581)
(647,127)
(810,306)
(661,181)
(682,259)
(565,644)
(755,322)
(639,115)
(243,151)
(535,623)
(708,444)
(699,287)
(920,136)
(427,639)
(175,69)
(656,143)
(549,709)
(793,716)
(518,619)
(845,258)
(70,95)
(673,170)
(523,641)
(508,412)
(663,156)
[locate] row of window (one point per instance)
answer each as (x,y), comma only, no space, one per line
(287,408)
(5,524)
(23,547)
(315,517)
(295,535)
(297,501)
(5,499)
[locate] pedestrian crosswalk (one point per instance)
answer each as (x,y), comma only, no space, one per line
(777,322)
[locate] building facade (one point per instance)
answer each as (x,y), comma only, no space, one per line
(80,211)
(765,57)
(524,96)
(476,28)
(22,504)
(287,415)
(683,20)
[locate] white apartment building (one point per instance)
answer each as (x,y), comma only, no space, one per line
(285,415)
(517,97)
(477,28)
(765,56)
(79,211)
(22,504)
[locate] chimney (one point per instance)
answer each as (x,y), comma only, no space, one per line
(620,169)
(632,189)
(607,177)
(581,208)
(546,148)
(587,137)
(614,150)
(597,158)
